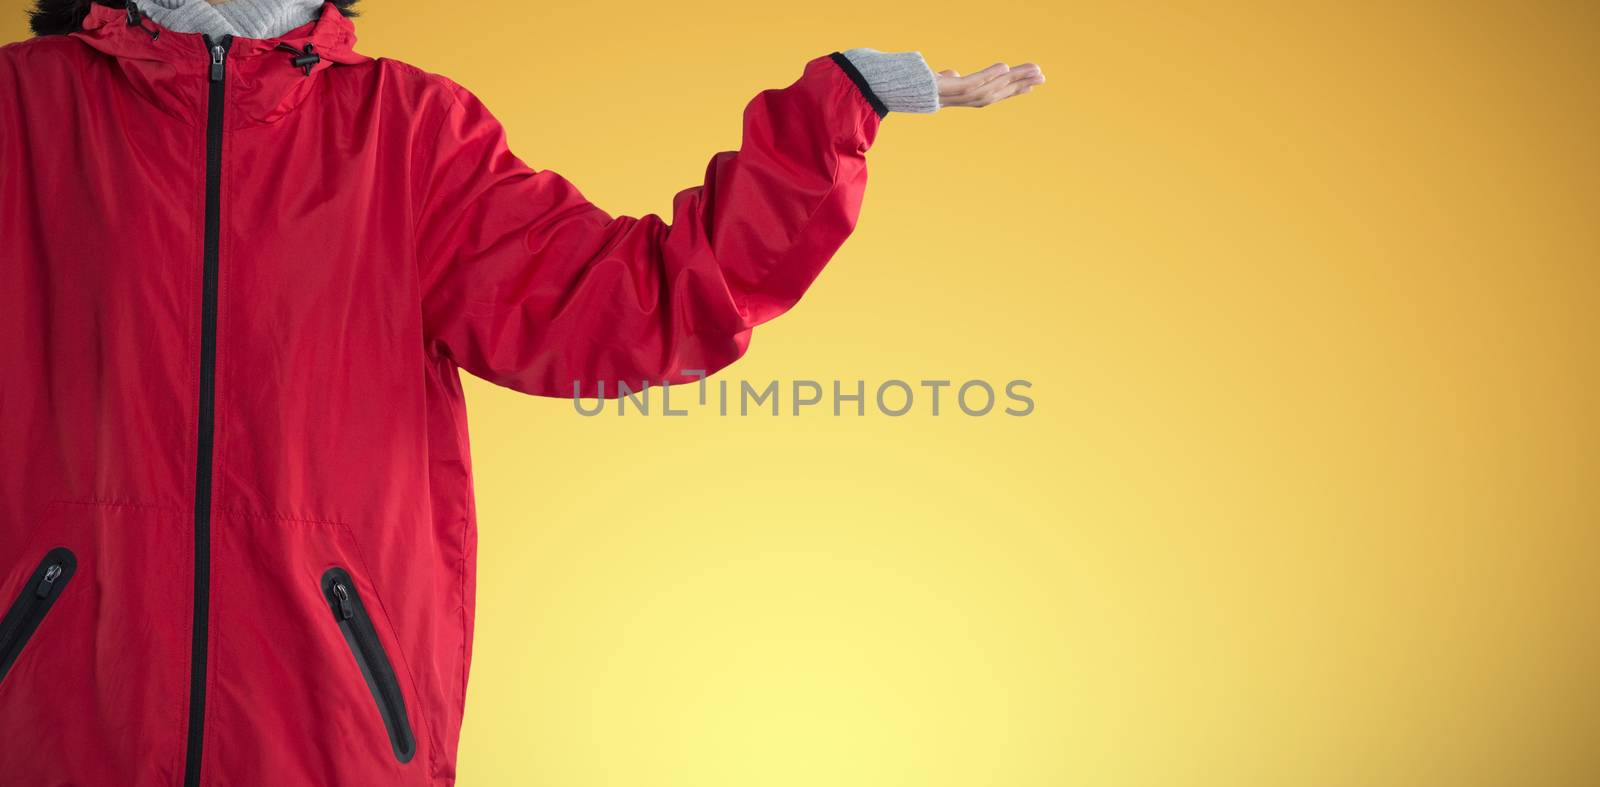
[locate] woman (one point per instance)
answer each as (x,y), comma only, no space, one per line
(240,267)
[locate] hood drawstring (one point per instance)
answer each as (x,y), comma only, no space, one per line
(136,19)
(303,59)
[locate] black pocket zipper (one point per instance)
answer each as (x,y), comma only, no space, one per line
(351,615)
(28,611)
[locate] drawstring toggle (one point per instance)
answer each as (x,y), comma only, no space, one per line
(136,19)
(303,58)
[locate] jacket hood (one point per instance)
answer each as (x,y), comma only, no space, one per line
(267,77)
(59,17)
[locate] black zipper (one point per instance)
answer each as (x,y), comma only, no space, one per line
(33,601)
(217,50)
(356,625)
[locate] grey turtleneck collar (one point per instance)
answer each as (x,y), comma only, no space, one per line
(244,18)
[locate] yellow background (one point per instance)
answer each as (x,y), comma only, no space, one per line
(1308,295)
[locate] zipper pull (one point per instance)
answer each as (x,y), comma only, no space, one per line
(48,583)
(345,610)
(218,54)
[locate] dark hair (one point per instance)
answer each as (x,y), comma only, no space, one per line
(59,17)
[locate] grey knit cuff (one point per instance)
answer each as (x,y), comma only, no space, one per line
(901,80)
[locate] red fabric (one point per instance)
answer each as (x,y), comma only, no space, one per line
(376,236)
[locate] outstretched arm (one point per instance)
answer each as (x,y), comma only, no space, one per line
(527,284)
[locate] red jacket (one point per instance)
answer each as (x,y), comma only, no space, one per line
(237,285)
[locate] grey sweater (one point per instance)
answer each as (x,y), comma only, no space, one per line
(901,80)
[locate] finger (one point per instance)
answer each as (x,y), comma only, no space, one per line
(979,96)
(1013,89)
(950,72)
(1022,76)
(984,87)
(1019,86)
(1029,70)
(957,85)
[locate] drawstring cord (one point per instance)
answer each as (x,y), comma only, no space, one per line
(136,19)
(303,59)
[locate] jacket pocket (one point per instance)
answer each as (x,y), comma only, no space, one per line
(33,601)
(356,625)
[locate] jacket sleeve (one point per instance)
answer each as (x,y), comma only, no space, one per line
(528,285)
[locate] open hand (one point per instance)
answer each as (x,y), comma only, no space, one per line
(995,83)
